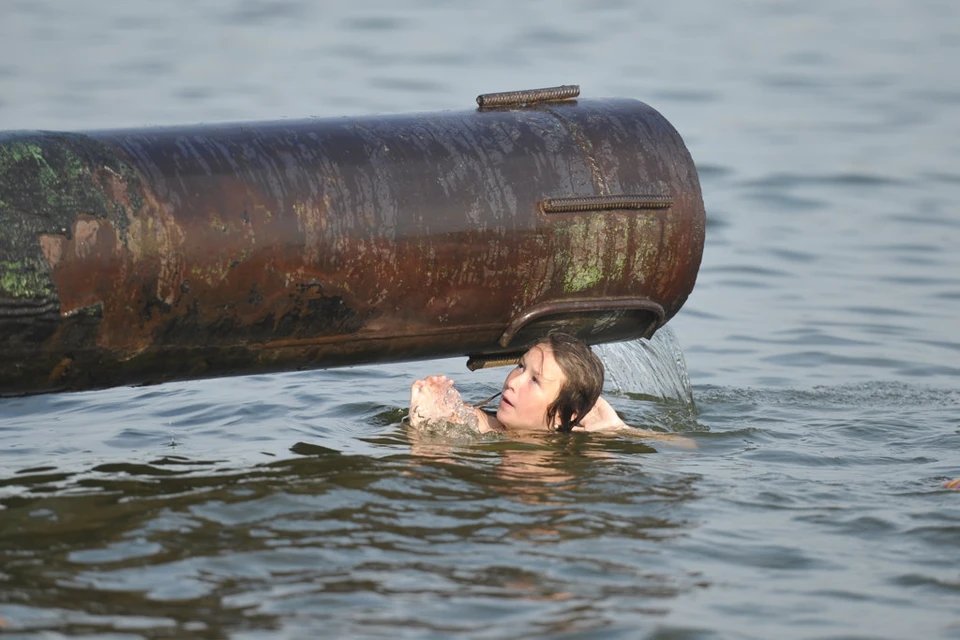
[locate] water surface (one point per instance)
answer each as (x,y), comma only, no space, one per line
(820,342)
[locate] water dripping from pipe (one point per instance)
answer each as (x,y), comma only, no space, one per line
(655,368)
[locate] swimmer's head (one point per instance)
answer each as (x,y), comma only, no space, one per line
(555,385)
(583,371)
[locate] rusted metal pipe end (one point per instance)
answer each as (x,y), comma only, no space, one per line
(528,96)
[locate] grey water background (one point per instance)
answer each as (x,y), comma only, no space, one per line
(820,342)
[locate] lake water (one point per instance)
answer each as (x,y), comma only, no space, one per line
(821,343)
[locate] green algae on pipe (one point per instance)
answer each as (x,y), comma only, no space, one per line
(146,255)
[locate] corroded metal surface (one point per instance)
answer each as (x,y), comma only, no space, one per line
(141,256)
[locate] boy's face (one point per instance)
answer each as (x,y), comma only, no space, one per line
(529,389)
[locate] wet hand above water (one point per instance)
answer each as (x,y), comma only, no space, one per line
(434,399)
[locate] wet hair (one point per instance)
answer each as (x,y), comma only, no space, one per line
(584,379)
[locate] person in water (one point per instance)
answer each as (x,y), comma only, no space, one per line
(555,387)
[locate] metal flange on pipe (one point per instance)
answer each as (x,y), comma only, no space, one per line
(146,255)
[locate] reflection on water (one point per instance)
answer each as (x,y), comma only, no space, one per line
(304,539)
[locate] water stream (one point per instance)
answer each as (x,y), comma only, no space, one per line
(654,367)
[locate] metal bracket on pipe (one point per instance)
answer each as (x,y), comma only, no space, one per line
(528,97)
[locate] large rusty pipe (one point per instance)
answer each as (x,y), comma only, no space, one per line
(156,254)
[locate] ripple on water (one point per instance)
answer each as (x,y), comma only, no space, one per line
(262,13)
(600,526)
(373,23)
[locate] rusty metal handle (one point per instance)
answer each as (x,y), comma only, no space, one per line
(567,307)
(580,204)
(528,96)
(497,360)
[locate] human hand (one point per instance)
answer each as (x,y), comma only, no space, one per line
(602,417)
(434,398)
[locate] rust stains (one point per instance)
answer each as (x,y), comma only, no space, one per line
(76,261)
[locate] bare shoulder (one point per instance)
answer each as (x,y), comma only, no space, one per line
(603,417)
